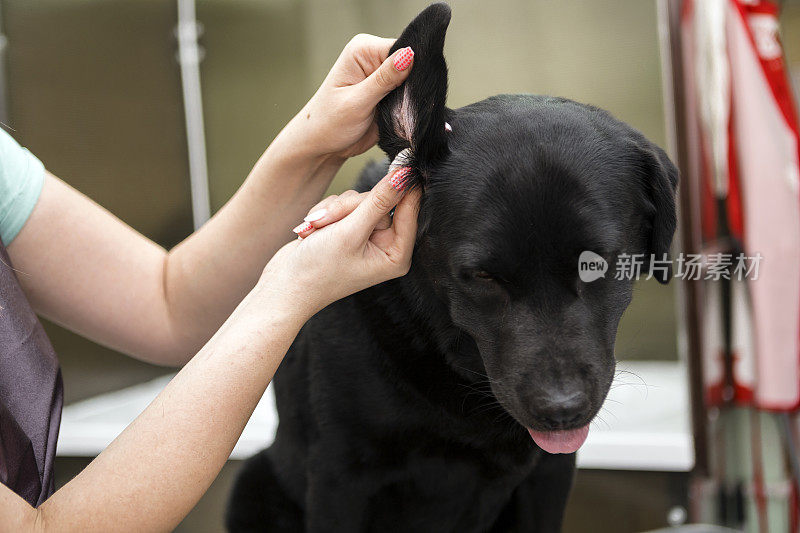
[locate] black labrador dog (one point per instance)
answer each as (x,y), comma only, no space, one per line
(430,402)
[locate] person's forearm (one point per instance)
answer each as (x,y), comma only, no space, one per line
(209,273)
(73,251)
(152,475)
(158,468)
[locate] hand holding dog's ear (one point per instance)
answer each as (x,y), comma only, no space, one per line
(414,116)
(339,120)
(334,208)
(352,251)
(392,72)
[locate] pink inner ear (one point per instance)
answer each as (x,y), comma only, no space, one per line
(404,117)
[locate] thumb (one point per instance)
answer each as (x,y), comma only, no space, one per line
(380,201)
(392,72)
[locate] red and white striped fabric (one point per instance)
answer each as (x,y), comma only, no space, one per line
(743,140)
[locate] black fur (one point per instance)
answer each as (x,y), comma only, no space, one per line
(421,98)
(404,407)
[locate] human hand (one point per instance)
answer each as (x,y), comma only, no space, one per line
(339,120)
(336,207)
(353,247)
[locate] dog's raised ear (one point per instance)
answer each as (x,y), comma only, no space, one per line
(413,115)
(661,182)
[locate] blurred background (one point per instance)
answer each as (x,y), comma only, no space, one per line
(93,88)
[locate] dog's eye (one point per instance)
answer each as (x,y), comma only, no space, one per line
(482,274)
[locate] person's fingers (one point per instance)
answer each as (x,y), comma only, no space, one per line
(397,242)
(384,223)
(379,202)
(330,211)
(333,208)
(388,76)
(306,228)
(336,208)
(322,204)
(365,45)
(405,222)
(303,230)
(320,215)
(362,55)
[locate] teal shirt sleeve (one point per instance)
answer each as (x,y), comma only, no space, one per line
(21,179)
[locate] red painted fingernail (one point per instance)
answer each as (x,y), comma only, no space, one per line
(399,178)
(403,58)
(305,226)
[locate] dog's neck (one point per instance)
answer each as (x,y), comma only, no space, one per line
(412,308)
(408,314)
(411,325)
(410,320)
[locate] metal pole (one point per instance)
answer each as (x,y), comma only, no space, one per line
(189,56)
(669,25)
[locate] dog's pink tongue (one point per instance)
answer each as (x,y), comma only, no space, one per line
(567,441)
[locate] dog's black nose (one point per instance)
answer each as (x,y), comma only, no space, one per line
(561,410)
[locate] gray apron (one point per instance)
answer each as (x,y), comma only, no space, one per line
(31,394)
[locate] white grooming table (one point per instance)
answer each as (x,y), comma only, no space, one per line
(644,427)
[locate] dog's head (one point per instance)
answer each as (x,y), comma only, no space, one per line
(515,189)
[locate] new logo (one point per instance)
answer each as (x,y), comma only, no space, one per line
(591,266)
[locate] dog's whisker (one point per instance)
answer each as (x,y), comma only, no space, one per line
(481,374)
(617,381)
(630,372)
(487,408)
(608,411)
(601,419)
(503,417)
